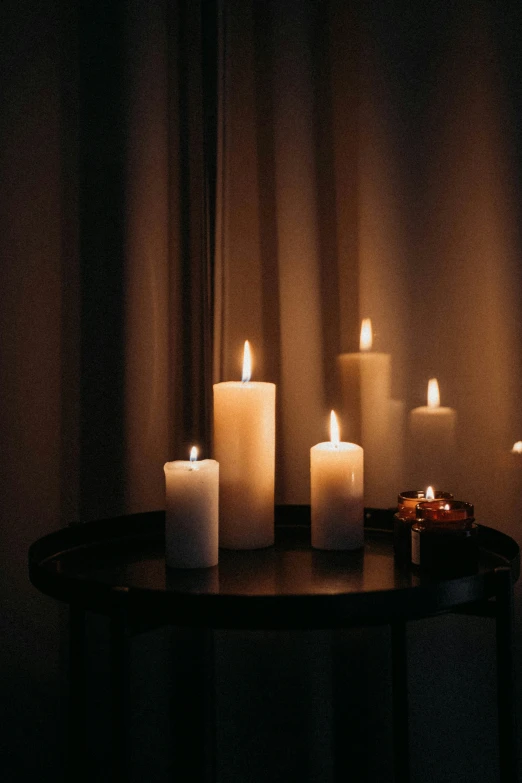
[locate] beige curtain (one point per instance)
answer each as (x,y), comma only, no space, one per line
(169,194)
(105,308)
(365,163)
(359,180)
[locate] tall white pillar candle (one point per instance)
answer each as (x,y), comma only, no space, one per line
(337,505)
(191,512)
(432,442)
(244,445)
(366,388)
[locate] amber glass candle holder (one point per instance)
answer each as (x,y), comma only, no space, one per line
(404,519)
(444,538)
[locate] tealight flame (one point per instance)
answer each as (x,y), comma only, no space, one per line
(447,507)
(247,363)
(433,393)
(334,430)
(193,454)
(517,447)
(430,494)
(366,339)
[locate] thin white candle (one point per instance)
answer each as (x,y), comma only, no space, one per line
(336,471)
(244,445)
(432,441)
(366,387)
(191,515)
(503,505)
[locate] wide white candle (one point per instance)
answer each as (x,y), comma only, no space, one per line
(432,441)
(502,507)
(336,471)
(244,445)
(191,513)
(366,389)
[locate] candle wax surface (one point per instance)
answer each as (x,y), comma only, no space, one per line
(337,504)
(444,512)
(366,388)
(453,515)
(191,513)
(432,446)
(407,501)
(244,445)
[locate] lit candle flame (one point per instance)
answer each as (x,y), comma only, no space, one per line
(433,393)
(430,494)
(334,430)
(247,363)
(366,339)
(517,447)
(193,454)
(447,507)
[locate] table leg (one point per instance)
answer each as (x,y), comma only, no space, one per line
(401,739)
(349,701)
(119,672)
(193,708)
(506,699)
(76,725)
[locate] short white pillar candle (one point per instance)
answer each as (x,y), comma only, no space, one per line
(337,493)
(191,515)
(366,386)
(432,441)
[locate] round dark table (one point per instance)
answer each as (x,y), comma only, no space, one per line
(117,567)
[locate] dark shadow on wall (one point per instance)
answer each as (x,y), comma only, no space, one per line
(102,147)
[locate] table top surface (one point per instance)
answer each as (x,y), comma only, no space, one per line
(119,564)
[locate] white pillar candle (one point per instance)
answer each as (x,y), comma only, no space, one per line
(191,512)
(503,508)
(366,389)
(337,503)
(432,442)
(244,445)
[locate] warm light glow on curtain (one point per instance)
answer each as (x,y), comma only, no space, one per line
(420,209)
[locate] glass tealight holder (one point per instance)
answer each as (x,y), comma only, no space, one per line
(404,519)
(444,538)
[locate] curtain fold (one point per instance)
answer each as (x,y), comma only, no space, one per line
(171,101)
(195,197)
(147,248)
(102,144)
(33,241)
